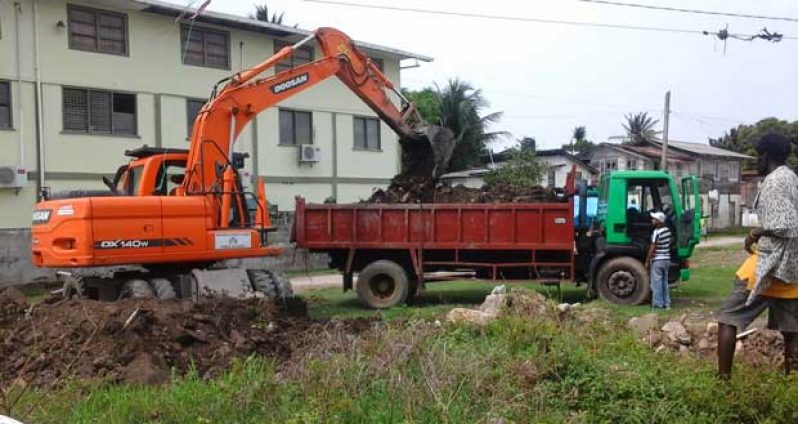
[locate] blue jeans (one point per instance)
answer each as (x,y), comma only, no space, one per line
(660,296)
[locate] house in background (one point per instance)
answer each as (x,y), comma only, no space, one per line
(558,161)
(718,171)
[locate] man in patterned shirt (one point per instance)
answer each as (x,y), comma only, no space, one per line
(658,261)
(769,277)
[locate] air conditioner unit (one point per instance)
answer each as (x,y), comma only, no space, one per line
(13,177)
(309,153)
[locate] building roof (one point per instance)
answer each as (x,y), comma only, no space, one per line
(502,156)
(655,153)
(476,172)
(619,148)
(702,149)
(247,24)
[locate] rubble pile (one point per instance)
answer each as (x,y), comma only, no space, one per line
(695,334)
(417,189)
(142,341)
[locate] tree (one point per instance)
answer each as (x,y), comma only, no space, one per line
(580,143)
(262,14)
(740,138)
(640,128)
(522,169)
(459,107)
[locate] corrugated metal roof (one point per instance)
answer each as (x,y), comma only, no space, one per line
(240,22)
(703,149)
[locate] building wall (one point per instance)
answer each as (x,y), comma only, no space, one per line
(154,72)
(562,166)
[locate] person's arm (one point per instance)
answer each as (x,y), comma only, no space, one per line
(651,249)
(756,233)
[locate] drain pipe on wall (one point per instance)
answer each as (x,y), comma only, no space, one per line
(39,115)
(18,103)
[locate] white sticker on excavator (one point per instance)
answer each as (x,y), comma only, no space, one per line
(233,241)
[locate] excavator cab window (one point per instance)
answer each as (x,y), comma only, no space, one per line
(170,176)
(129,183)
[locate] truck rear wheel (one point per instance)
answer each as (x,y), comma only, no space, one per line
(623,281)
(382,285)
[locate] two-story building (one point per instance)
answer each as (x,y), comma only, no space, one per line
(81,81)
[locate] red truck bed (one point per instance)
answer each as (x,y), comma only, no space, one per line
(437,236)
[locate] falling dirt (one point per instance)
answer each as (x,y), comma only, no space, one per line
(417,189)
(142,341)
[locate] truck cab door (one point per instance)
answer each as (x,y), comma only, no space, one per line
(689,227)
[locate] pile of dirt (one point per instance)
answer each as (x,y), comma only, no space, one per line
(12,305)
(416,189)
(697,334)
(141,341)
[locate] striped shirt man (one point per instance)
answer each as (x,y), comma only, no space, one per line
(661,239)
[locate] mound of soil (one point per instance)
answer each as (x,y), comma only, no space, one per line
(141,341)
(12,305)
(416,189)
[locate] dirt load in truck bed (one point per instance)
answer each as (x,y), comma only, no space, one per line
(415,189)
(142,341)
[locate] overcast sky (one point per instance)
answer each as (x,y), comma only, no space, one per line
(549,78)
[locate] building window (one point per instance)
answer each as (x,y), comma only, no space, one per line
(97,31)
(552,178)
(379,63)
(205,47)
(5,104)
(301,56)
(193,107)
(609,165)
(631,164)
(296,127)
(367,133)
(101,112)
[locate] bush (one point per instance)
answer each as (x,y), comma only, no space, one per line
(522,169)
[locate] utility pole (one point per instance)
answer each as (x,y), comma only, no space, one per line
(663,164)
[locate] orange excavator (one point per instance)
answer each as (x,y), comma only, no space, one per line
(176,223)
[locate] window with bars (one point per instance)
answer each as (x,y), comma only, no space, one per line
(296,127)
(204,47)
(367,133)
(96,30)
(301,56)
(379,63)
(631,164)
(5,105)
(99,112)
(193,107)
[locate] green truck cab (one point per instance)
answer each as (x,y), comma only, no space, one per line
(622,231)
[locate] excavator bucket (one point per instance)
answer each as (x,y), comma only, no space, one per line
(427,153)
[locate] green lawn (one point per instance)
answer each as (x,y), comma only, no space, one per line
(710,283)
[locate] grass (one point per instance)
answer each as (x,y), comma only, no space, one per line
(515,369)
(520,368)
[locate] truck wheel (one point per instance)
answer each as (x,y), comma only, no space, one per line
(623,281)
(382,285)
(163,288)
(136,289)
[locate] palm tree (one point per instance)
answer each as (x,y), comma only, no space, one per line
(461,106)
(262,14)
(579,134)
(579,142)
(640,128)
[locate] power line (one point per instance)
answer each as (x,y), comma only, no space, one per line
(526,19)
(693,11)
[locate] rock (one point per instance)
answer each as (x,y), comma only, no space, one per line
(683,350)
(470,316)
(712,328)
(676,333)
(564,307)
(642,325)
(738,348)
(499,290)
(660,348)
(653,338)
(703,344)
(493,304)
(146,369)
(15,296)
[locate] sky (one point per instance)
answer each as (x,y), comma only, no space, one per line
(547,79)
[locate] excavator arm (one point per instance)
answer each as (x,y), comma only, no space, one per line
(209,170)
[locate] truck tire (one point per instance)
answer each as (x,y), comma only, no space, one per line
(163,288)
(263,282)
(382,285)
(623,281)
(136,289)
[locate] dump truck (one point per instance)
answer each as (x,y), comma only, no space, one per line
(394,248)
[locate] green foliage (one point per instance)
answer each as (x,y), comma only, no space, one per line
(640,128)
(427,102)
(739,139)
(522,169)
(262,14)
(528,143)
(459,107)
(580,143)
